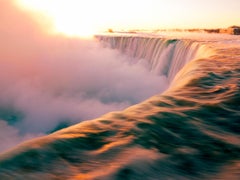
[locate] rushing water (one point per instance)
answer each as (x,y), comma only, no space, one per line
(190,131)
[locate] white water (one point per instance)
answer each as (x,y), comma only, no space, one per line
(164,57)
(189,132)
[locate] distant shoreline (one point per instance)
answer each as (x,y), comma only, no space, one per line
(233,30)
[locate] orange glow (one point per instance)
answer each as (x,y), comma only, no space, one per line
(84,18)
(63,16)
(78,18)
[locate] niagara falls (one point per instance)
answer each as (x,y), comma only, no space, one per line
(119,90)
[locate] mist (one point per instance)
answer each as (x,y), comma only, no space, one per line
(51,81)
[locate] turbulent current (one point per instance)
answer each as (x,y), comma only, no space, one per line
(190,129)
(139,106)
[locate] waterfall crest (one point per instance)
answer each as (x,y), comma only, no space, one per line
(160,56)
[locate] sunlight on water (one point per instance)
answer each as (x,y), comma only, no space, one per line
(152,131)
(190,131)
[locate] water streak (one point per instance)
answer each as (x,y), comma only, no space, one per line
(160,56)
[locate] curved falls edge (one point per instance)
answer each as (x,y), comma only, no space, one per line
(191,131)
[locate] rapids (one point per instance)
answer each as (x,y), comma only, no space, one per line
(190,131)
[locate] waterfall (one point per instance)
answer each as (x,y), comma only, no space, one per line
(160,56)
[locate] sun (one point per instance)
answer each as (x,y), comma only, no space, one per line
(69,18)
(88,17)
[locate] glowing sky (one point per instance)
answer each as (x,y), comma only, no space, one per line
(89,16)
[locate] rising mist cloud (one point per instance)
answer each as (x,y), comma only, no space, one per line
(51,79)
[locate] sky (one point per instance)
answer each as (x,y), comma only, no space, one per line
(85,17)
